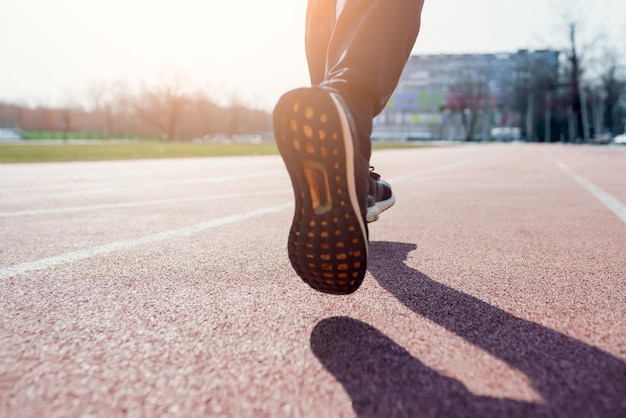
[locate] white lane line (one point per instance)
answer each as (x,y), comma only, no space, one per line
(608,200)
(84,188)
(105,249)
(72,209)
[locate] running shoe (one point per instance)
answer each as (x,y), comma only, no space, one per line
(380,196)
(328,239)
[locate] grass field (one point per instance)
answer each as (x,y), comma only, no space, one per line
(24,152)
(37,152)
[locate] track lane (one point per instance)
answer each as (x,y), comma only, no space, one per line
(495,287)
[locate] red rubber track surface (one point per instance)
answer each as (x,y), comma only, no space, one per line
(496,287)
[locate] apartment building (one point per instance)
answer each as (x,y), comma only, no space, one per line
(466,96)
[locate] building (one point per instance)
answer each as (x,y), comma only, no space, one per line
(466,96)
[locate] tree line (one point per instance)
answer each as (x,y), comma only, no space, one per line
(584,102)
(167,109)
(567,95)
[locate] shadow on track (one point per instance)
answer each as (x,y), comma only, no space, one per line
(383,379)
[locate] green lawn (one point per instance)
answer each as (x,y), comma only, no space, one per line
(38,152)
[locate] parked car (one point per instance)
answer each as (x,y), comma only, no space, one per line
(620,139)
(9,135)
(602,139)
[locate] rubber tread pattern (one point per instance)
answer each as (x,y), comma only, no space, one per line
(327,243)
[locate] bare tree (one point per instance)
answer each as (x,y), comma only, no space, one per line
(577,93)
(161,105)
(611,96)
(235,109)
(110,102)
(200,116)
(72,106)
(535,78)
(469,96)
(580,44)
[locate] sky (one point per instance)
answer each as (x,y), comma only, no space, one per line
(53,52)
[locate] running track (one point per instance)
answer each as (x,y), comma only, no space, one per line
(496,287)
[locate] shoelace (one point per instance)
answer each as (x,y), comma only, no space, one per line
(374,175)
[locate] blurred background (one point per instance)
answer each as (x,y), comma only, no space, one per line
(207,71)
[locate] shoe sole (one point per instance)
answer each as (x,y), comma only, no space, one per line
(373,212)
(327,243)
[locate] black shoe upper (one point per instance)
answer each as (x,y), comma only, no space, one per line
(378,189)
